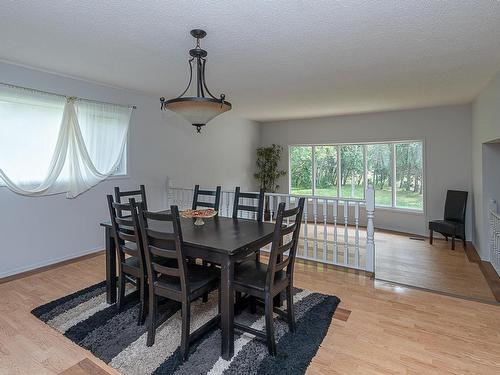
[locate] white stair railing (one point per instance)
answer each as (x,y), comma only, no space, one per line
(337,231)
(494,244)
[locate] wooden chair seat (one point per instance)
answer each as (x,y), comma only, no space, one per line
(252,274)
(198,277)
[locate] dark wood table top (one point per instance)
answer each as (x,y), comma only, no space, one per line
(219,234)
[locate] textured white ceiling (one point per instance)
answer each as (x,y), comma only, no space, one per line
(273,59)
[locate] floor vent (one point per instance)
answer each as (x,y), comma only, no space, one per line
(417,238)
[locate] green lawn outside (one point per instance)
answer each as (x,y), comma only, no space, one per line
(382,197)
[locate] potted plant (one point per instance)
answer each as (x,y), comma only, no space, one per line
(268,171)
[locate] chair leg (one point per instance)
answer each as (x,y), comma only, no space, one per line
(185,330)
(152,320)
(271,344)
(453,242)
(142,308)
(121,290)
(446,238)
(257,256)
(253,304)
(237,303)
(431,236)
(289,309)
(218,300)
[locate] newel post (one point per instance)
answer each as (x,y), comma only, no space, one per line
(370,229)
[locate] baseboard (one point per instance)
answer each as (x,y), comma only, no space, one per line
(42,266)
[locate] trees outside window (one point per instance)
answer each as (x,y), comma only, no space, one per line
(301,170)
(379,172)
(352,167)
(326,171)
(395,169)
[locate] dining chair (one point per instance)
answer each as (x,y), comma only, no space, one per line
(264,282)
(453,224)
(257,210)
(180,281)
(207,193)
(129,252)
(141,193)
(238,206)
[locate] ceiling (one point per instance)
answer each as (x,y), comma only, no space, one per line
(276,59)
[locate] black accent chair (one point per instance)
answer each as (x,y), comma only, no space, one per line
(131,193)
(179,281)
(453,224)
(129,252)
(264,282)
(209,193)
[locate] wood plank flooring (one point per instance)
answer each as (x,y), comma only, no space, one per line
(390,329)
(435,267)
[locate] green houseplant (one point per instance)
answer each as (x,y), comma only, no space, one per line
(268,171)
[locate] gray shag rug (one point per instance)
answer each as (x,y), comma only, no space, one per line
(86,319)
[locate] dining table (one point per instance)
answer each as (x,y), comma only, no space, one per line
(223,241)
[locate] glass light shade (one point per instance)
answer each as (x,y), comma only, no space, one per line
(197,110)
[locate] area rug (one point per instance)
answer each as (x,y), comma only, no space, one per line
(86,319)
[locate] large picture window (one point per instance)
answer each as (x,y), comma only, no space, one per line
(394,169)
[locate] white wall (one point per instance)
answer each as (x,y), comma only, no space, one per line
(446,132)
(43,230)
(485,128)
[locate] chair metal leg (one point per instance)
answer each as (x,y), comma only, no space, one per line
(446,238)
(290,309)
(431,236)
(453,242)
(185,330)
(271,344)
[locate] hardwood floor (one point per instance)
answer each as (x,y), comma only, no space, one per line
(389,330)
(436,267)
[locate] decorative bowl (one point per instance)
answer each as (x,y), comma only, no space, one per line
(199,215)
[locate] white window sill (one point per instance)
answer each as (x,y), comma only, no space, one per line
(408,211)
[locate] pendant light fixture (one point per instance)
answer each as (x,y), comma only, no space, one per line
(199,109)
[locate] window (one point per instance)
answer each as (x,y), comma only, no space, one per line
(301,170)
(51,144)
(394,169)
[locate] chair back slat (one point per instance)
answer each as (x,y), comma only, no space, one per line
(162,252)
(163,245)
(280,265)
(455,206)
(126,236)
(207,193)
(284,248)
(259,208)
(277,260)
(124,230)
(139,196)
(170,271)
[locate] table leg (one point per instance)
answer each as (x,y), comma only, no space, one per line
(227,309)
(110,267)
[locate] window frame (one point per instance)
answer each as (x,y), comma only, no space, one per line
(393,144)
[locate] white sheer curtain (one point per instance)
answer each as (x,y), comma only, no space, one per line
(50,145)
